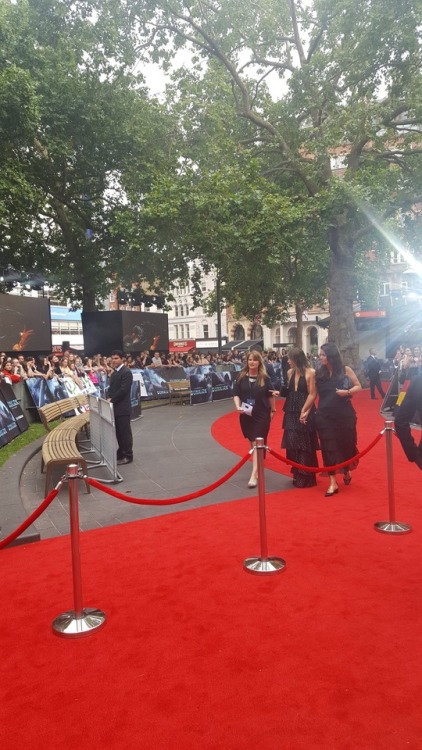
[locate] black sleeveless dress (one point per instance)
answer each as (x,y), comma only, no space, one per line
(299,440)
(258,424)
(336,424)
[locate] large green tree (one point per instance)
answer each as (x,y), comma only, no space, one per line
(79,132)
(267,249)
(344,127)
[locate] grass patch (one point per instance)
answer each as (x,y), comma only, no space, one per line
(35,431)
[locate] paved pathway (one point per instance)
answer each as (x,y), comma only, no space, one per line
(174,454)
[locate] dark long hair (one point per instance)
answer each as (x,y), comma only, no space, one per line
(299,359)
(334,357)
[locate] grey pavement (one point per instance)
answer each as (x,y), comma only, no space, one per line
(174,454)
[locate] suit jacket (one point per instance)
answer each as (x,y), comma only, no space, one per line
(411,403)
(119,391)
(372,366)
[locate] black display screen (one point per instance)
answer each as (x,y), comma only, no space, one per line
(25,324)
(126,330)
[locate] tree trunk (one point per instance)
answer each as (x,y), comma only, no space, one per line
(342,329)
(88,300)
(299,325)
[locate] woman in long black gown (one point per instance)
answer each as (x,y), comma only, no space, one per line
(254,399)
(336,417)
(299,438)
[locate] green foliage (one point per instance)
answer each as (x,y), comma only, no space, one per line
(349,103)
(276,192)
(86,138)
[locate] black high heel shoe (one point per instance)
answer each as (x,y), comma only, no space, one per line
(347,478)
(333,492)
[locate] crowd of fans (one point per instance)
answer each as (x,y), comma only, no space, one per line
(13,369)
(409,362)
(16,368)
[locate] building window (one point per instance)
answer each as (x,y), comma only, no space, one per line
(206,333)
(257,332)
(278,335)
(204,286)
(181,312)
(291,336)
(397,257)
(313,336)
(186,309)
(176,311)
(176,332)
(385,289)
(187,331)
(239,333)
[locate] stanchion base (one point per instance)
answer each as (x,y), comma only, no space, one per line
(68,625)
(392,527)
(270,566)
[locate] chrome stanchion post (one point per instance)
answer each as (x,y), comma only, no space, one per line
(392,526)
(264,564)
(78,622)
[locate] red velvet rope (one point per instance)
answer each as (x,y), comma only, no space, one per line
(33,517)
(318,469)
(173,500)
(184,498)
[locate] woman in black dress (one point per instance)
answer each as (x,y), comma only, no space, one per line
(336,417)
(299,438)
(254,399)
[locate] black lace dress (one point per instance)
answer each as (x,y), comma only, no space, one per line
(299,440)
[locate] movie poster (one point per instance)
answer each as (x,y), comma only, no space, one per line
(201,385)
(155,385)
(135,400)
(222,385)
(57,388)
(139,378)
(8,427)
(8,395)
(39,391)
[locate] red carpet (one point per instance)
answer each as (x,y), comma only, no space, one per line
(198,654)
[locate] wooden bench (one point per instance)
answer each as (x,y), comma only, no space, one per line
(179,391)
(59,410)
(60,446)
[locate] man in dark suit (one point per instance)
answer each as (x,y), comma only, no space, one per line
(410,410)
(119,395)
(372,372)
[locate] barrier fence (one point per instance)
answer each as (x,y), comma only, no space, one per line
(79,622)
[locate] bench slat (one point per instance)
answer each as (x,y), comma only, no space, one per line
(60,446)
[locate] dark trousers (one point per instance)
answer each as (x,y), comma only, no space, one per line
(375,382)
(124,437)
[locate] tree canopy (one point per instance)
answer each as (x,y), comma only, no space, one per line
(344,129)
(289,138)
(78,132)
